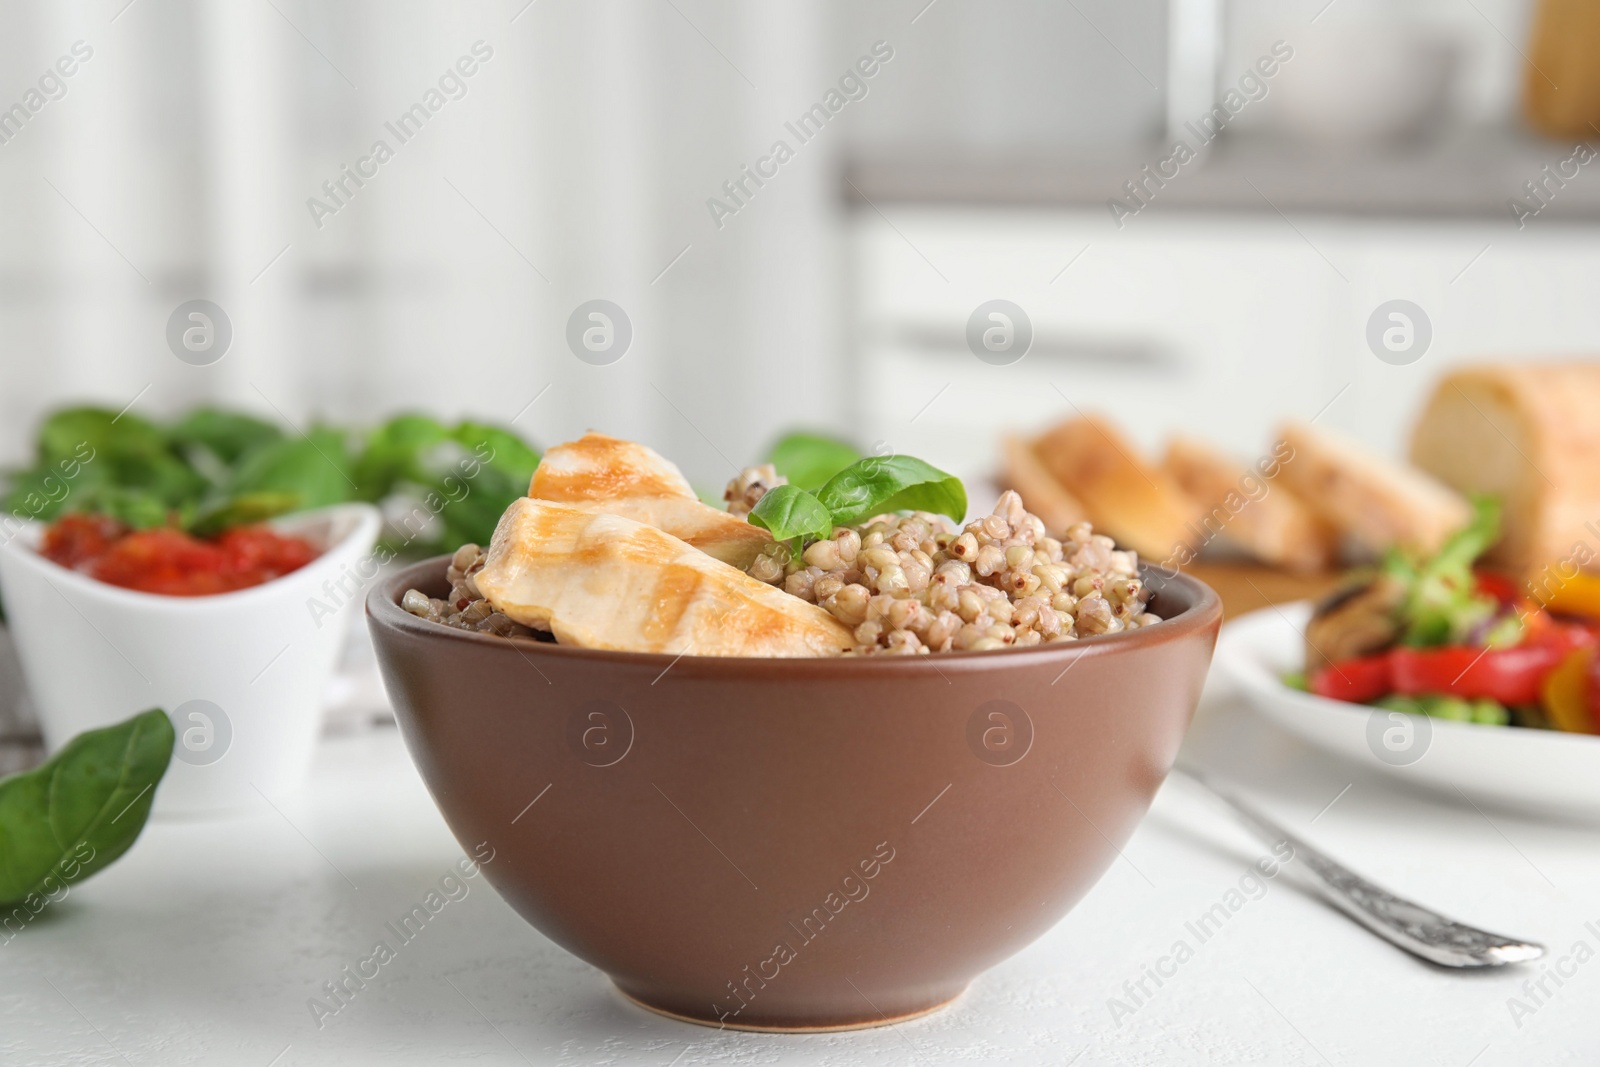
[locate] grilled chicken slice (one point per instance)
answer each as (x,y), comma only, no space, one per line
(599,580)
(713,531)
(596,467)
(623,478)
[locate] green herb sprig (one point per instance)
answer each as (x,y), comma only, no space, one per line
(1442,604)
(871,486)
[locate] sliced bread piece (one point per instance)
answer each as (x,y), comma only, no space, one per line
(1377,502)
(1251,507)
(1135,503)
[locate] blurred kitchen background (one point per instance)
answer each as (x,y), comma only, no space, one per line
(1378,163)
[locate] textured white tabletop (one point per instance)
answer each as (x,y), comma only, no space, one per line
(205,944)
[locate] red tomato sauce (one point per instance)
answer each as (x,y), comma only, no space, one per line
(166,560)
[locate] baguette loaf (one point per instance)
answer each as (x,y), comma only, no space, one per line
(1530,435)
(1376,502)
(1135,503)
(1251,507)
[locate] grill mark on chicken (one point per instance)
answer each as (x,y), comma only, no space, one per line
(675,591)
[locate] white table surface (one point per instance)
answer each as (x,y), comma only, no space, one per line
(203,944)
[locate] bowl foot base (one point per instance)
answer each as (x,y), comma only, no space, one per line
(866,1022)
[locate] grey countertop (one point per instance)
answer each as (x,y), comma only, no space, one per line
(1469,173)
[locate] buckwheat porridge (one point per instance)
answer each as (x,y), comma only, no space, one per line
(906,582)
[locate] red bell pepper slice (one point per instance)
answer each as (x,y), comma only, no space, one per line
(1508,675)
(1355,680)
(1499,586)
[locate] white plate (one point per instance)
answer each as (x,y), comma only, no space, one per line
(1537,771)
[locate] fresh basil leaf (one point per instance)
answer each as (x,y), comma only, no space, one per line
(228,435)
(51,488)
(880,484)
(241,509)
(129,453)
(466,477)
(138,508)
(162,475)
(102,429)
(473,517)
(789,512)
(393,453)
(82,808)
(315,467)
(500,449)
(93,459)
(809,460)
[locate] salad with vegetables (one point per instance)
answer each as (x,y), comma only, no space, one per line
(1433,636)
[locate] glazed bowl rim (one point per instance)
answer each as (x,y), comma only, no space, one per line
(1205,610)
(350,522)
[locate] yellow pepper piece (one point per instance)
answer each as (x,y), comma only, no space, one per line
(1565,694)
(1579,595)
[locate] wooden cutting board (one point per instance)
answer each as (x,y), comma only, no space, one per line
(1246,587)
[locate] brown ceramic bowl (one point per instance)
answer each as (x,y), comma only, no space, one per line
(784,844)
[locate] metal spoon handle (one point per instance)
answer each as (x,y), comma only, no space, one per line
(1419,930)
